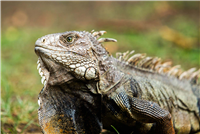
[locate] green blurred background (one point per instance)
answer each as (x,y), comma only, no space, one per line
(169,30)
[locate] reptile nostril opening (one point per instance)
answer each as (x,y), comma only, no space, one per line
(43,40)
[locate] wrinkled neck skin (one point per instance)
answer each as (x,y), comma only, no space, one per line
(109,75)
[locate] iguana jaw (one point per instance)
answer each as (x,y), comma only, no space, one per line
(52,73)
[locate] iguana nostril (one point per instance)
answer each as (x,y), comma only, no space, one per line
(43,40)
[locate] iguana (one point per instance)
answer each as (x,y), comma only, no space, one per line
(86,89)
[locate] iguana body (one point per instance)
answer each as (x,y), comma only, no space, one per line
(86,89)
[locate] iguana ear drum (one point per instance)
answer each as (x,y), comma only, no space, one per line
(91,73)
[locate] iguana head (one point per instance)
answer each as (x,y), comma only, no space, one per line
(72,52)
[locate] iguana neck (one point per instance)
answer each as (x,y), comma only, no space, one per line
(109,75)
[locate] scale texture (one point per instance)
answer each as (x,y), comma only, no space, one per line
(87,90)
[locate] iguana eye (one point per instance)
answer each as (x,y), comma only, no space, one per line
(67,39)
(70,38)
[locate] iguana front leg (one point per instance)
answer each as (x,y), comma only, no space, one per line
(150,112)
(142,111)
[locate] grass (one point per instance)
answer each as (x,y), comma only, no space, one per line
(115,129)
(20,82)
(16,110)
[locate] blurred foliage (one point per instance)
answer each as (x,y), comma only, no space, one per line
(164,29)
